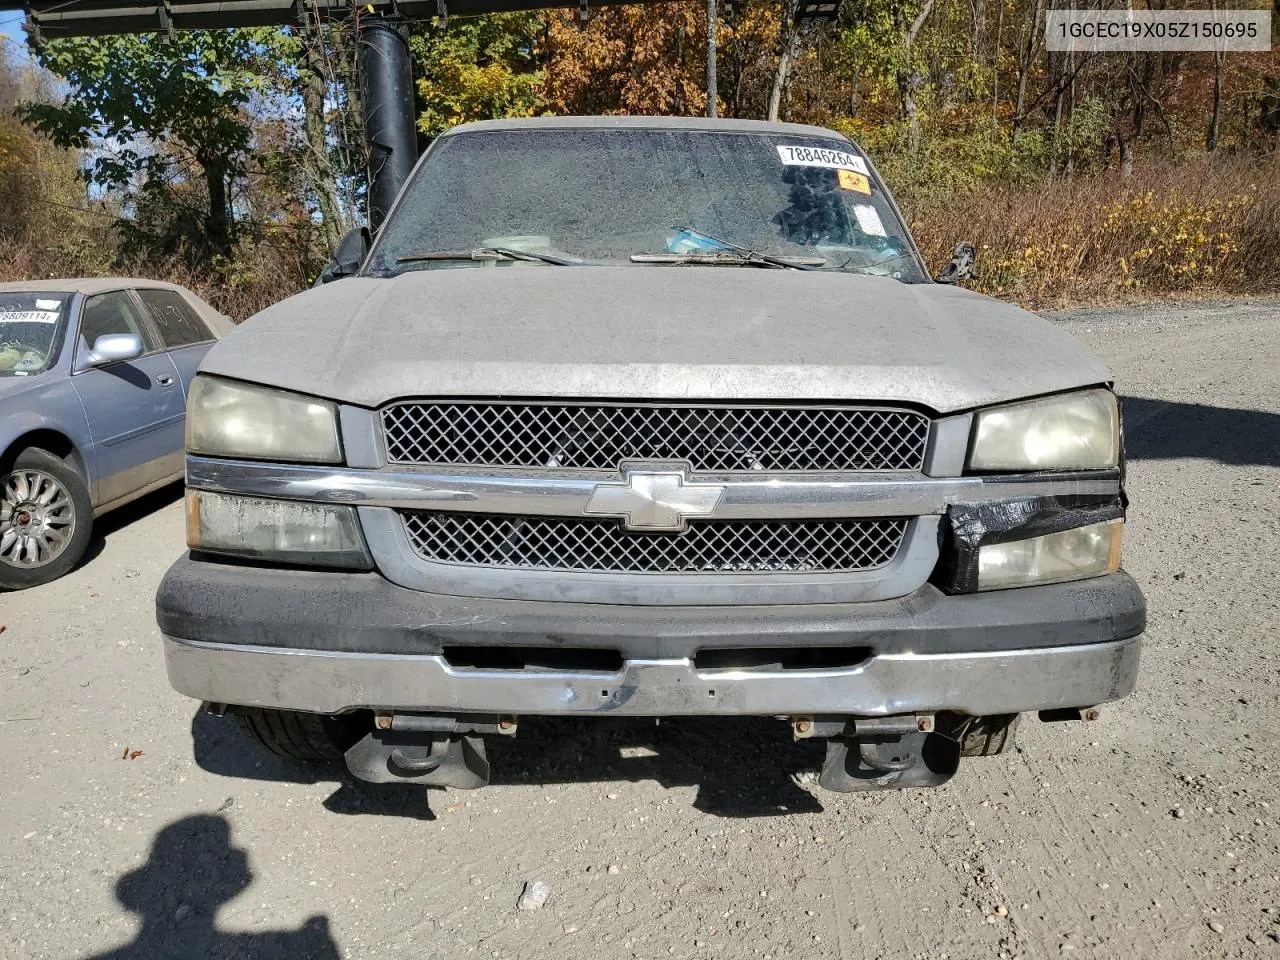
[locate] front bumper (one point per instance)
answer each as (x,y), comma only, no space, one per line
(973,683)
(331,642)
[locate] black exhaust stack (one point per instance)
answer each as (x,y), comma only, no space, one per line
(388,110)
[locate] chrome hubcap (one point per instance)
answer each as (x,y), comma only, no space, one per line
(37,519)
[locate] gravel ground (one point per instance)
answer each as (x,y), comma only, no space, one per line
(131,826)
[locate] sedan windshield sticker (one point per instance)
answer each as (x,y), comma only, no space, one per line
(797,156)
(48,304)
(851,180)
(29,316)
(869,220)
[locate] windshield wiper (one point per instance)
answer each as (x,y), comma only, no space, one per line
(748,259)
(730,253)
(491,253)
(862,267)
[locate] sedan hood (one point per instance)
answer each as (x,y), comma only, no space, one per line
(11,386)
(672,332)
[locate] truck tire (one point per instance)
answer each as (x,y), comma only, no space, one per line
(46,518)
(303,736)
(989,736)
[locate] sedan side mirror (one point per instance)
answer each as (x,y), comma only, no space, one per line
(115,347)
(961,265)
(352,250)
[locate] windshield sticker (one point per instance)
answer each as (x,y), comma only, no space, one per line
(48,304)
(794,156)
(851,180)
(869,220)
(29,316)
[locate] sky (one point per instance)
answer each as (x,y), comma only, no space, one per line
(15,38)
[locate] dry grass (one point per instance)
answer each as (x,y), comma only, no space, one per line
(255,281)
(1195,228)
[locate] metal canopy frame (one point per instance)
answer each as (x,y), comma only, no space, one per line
(49,19)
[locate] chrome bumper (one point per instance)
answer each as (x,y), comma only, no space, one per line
(1007,681)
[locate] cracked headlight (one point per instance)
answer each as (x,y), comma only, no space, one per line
(1072,431)
(226,418)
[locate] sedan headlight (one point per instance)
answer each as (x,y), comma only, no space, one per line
(1070,555)
(1072,431)
(282,531)
(226,418)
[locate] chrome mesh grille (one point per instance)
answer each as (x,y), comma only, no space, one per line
(601,436)
(604,545)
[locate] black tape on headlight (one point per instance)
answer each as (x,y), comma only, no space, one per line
(969,527)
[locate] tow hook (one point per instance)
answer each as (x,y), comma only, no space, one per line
(878,753)
(438,751)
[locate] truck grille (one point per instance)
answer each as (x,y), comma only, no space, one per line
(601,436)
(605,545)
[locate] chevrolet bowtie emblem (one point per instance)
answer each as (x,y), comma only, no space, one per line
(654,501)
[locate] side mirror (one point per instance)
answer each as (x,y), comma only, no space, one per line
(352,250)
(115,347)
(961,265)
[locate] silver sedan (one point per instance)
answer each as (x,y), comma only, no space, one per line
(93,383)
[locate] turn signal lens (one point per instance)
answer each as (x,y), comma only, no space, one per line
(283,531)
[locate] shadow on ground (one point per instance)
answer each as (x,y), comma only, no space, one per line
(194,869)
(742,767)
(110,523)
(1163,430)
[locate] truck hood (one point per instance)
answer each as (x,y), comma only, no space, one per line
(674,332)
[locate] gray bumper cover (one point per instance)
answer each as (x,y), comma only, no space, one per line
(328,642)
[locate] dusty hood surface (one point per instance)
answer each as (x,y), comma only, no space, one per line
(710,333)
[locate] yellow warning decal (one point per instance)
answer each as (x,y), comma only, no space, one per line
(852,180)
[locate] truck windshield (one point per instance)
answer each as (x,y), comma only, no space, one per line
(32,326)
(650,198)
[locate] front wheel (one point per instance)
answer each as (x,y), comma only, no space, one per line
(303,736)
(46,519)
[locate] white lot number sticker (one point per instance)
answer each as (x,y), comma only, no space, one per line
(869,220)
(794,156)
(29,316)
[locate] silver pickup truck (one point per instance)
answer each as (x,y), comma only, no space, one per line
(650,418)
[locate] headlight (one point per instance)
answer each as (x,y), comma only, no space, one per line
(1074,431)
(226,418)
(1070,555)
(284,531)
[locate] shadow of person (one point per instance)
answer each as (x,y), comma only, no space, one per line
(193,869)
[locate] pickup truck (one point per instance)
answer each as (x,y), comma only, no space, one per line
(648,417)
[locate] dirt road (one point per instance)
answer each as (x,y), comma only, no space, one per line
(130,826)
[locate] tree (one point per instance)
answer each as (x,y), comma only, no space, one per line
(321,170)
(1269,115)
(44,217)
(649,58)
(156,113)
(484,68)
(788,36)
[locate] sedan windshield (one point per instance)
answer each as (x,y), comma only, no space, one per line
(654,198)
(31,330)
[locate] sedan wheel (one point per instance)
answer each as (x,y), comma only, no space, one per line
(37,519)
(46,518)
